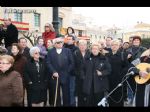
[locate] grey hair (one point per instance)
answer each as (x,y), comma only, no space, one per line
(115,41)
(33,49)
(83,42)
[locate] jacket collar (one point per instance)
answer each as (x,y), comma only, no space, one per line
(7,72)
(32,60)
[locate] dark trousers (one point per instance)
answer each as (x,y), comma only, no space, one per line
(51,91)
(72,90)
(65,93)
(140,94)
(79,92)
(29,99)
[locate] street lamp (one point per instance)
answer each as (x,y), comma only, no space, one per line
(55,20)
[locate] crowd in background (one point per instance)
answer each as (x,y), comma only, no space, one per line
(67,71)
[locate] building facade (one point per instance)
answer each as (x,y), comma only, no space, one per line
(33,19)
(140,29)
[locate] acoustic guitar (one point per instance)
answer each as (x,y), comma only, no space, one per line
(142,67)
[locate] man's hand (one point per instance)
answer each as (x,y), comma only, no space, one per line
(55,75)
(143,74)
(129,56)
(99,73)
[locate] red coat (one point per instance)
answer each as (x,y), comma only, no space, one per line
(48,35)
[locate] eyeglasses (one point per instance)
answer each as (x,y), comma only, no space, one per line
(59,42)
(36,53)
(4,63)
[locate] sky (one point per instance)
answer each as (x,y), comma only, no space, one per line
(118,16)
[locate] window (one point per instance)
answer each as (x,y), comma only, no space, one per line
(60,22)
(36,20)
(143,35)
(18,16)
(80,33)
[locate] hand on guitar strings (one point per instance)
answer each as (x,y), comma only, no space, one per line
(143,74)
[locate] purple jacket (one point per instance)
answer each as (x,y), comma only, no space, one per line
(43,51)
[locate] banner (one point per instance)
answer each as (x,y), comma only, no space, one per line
(20,25)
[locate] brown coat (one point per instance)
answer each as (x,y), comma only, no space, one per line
(19,63)
(11,89)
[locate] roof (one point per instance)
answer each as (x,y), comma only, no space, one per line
(141,25)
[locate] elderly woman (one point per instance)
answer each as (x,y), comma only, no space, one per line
(95,79)
(11,87)
(118,66)
(49,33)
(79,57)
(35,76)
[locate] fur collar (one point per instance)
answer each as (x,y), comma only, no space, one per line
(7,72)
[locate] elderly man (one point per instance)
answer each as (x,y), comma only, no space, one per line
(60,63)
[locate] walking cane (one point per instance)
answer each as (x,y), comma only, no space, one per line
(56,92)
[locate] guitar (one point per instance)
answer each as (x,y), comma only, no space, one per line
(142,67)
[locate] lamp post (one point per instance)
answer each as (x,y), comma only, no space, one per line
(55,20)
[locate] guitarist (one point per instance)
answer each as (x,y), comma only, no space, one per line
(134,52)
(142,95)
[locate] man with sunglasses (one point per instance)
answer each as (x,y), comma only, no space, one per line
(60,63)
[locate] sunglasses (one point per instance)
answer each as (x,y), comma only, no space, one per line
(59,42)
(36,53)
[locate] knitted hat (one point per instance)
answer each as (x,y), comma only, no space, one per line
(137,37)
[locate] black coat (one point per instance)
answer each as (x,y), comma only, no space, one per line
(11,35)
(38,88)
(79,63)
(118,66)
(92,64)
(79,69)
(73,48)
(135,52)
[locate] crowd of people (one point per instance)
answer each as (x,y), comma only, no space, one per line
(69,72)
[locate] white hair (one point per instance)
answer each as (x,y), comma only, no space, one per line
(33,49)
(95,44)
(84,42)
(115,41)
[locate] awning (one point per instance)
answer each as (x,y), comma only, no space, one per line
(84,38)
